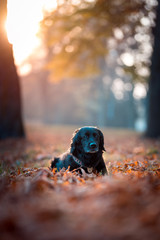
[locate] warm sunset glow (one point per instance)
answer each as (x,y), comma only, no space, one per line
(23,25)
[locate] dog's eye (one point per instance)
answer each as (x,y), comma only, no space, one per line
(87,134)
(95,135)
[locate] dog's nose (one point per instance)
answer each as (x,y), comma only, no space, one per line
(93,145)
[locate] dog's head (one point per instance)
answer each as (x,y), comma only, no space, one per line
(88,140)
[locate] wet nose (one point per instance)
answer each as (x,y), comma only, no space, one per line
(93,145)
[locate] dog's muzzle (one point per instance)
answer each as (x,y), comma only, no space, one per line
(93,148)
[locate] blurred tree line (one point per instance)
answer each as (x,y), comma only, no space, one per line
(81,38)
(80,101)
(80,34)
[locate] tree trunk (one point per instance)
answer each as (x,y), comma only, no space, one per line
(153,129)
(10,104)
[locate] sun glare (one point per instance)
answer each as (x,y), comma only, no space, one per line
(22,25)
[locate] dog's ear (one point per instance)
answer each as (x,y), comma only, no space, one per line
(74,141)
(101,144)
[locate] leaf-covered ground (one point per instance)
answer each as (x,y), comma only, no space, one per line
(36,203)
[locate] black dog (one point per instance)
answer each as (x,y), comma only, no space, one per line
(86,151)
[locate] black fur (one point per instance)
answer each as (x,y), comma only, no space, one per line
(87,146)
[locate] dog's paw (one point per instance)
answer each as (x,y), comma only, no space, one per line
(54,163)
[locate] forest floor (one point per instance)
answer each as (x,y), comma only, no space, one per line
(36,203)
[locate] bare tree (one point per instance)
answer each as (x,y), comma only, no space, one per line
(153,129)
(10,103)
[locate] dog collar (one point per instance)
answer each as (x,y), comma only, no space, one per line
(77,160)
(90,170)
